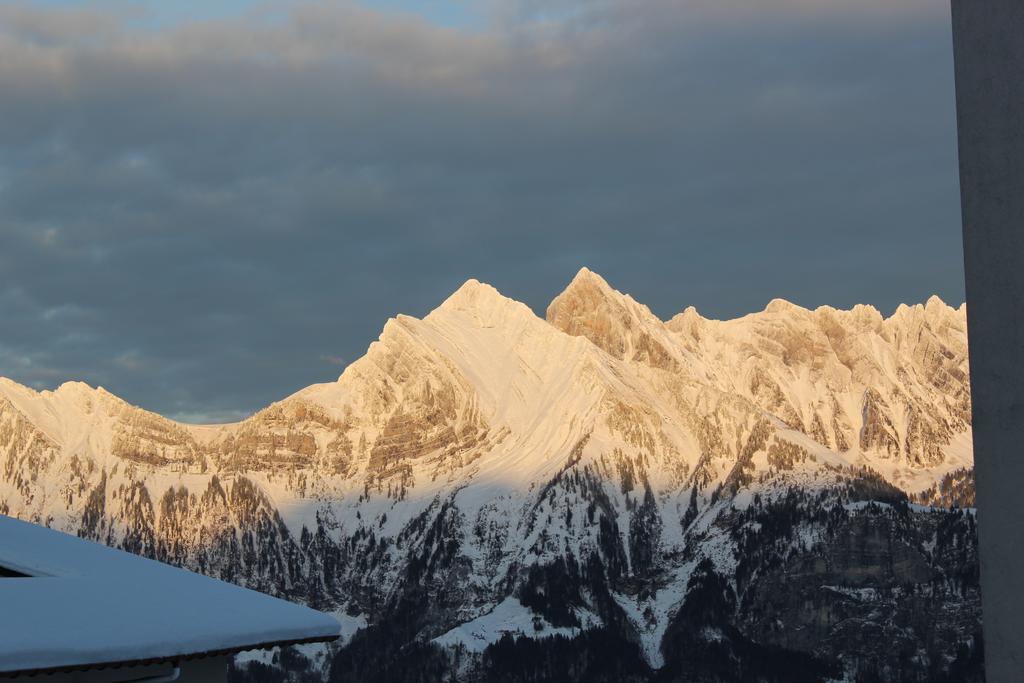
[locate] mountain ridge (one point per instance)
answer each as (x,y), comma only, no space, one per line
(687,316)
(481,455)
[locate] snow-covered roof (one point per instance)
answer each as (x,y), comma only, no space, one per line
(83,604)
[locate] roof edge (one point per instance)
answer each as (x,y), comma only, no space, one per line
(116,664)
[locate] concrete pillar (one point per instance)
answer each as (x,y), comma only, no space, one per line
(988,49)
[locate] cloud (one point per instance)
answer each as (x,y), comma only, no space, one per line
(196,215)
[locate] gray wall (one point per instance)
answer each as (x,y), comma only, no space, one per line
(989,58)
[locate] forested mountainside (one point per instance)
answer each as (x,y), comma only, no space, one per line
(598,495)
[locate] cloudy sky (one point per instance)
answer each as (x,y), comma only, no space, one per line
(207,205)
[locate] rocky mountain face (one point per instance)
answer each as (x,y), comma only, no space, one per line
(601,495)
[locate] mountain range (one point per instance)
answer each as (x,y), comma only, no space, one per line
(593,495)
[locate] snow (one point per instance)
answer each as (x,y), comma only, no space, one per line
(350,624)
(509,617)
(86,604)
(651,616)
(317,653)
(860,594)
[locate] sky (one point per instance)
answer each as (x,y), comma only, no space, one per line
(207,205)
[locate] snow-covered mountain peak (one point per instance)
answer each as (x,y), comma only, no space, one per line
(69,403)
(73,391)
(934,314)
(616,323)
(77,386)
(782,306)
(906,312)
(867,315)
(479,305)
(939,312)
(587,283)
(473,294)
(687,322)
(586,275)
(9,388)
